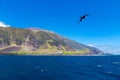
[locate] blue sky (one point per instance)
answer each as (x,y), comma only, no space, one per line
(101,27)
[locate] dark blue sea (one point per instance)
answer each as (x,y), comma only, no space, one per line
(59,67)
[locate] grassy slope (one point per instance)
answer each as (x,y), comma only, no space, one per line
(47,42)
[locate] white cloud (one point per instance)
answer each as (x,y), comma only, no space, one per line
(110,49)
(91,45)
(2,24)
(107,48)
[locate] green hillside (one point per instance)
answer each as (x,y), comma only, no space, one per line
(41,42)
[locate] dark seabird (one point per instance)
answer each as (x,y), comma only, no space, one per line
(82,17)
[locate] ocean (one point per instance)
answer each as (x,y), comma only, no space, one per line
(59,67)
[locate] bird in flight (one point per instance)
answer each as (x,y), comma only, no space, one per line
(82,17)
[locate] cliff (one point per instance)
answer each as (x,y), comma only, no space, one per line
(40,42)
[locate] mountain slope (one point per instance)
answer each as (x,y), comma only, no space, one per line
(32,41)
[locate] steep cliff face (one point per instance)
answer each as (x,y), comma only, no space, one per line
(39,41)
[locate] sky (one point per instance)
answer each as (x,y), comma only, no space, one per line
(100,28)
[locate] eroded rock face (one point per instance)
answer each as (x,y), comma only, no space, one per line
(30,40)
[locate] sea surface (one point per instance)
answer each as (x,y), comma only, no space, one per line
(59,67)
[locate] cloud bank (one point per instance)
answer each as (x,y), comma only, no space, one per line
(112,49)
(109,49)
(2,24)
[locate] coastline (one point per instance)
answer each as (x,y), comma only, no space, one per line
(59,54)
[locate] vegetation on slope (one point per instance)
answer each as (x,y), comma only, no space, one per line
(29,41)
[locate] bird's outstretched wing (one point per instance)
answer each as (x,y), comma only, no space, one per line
(82,17)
